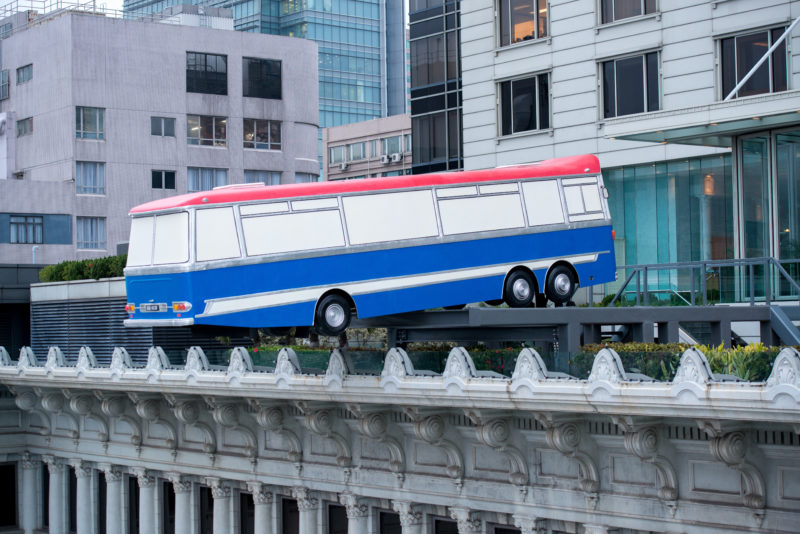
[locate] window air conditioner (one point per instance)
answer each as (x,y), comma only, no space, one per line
(384,159)
(343,166)
(396,158)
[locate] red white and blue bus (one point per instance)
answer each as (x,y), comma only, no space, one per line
(316,254)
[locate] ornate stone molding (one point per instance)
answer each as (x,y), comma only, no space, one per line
(116,406)
(82,469)
(408,514)
(468,522)
(459,365)
(120,362)
(261,493)
(85,405)
(196,362)
(239,364)
(397,365)
(157,362)
(337,370)
(53,402)
(27,401)
(55,359)
(321,421)
(693,368)
(179,483)
(786,369)
(113,473)
(5,359)
(219,490)
(731,449)
(354,508)
(529,370)
(529,525)
(149,409)
(431,429)
(26,360)
(144,478)
(86,361)
(287,365)
(227,414)
(305,500)
(187,411)
(374,425)
(29,462)
(565,437)
(495,433)
(270,417)
(607,367)
(55,465)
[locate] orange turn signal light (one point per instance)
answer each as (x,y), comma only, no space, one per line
(181,306)
(130,308)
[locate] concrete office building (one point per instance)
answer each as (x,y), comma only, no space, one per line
(370,149)
(102,114)
(642,84)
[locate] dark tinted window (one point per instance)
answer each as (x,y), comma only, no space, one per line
(290,517)
(630,85)
(741,53)
(337,519)
(261,78)
(206,73)
(8,495)
(525,104)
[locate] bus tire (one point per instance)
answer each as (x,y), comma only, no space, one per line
(519,289)
(333,315)
(561,285)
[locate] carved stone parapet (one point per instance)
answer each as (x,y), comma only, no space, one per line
(55,359)
(120,361)
(786,369)
(196,361)
(693,368)
(287,364)
(607,367)
(468,523)
(353,507)
(459,365)
(26,359)
(5,359)
(239,363)
(408,514)
(397,364)
(305,500)
(337,369)
(86,360)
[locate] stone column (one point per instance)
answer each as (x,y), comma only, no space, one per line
(467,522)
(113,498)
(307,506)
(356,514)
(29,517)
(147,501)
(222,505)
(83,499)
(410,518)
(57,504)
(183,504)
(262,499)
(595,529)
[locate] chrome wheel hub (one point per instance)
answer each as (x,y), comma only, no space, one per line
(521,289)
(335,315)
(562,284)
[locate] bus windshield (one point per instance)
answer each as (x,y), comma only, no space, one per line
(159,240)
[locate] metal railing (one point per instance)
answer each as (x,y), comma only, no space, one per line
(750,280)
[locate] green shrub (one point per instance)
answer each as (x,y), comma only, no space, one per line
(94,269)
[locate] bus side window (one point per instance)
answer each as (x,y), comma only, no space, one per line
(140,249)
(481,214)
(543,203)
(216,234)
(390,216)
(172,238)
(292,232)
(583,200)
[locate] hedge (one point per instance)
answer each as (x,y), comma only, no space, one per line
(94,269)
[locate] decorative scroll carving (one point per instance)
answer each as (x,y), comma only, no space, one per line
(607,367)
(144,477)
(431,430)
(227,415)
(495,434)
(5,359)
(786,369)
(180,484)
(196,361)
(188,413)
(287,365)
(55,358)
(82,469)
(305,501)
(408,514)
(120,362)
(529,367)
(337,369)
(53,402)
(84,405)
(218,489)
(373,424)
(55,465)
(261,494)
(86,360)
(459,365)
(693,368)
(113,472)
(116,406)
(467,522)
(149,409)
(239,364)
(565,437)
(26,359)
(157,361)
(353,508)
(397,364)
(27,401)
(271,418)
(320,422)
(731,449)
(529,525)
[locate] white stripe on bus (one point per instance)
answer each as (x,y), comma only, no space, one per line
(312,294)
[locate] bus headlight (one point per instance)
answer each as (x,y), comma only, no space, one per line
(181,307)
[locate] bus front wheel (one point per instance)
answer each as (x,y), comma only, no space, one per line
(561,285)
(519,289)
(333,315)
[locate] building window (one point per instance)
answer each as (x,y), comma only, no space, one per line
(741,53)
(163,126)
(261,78)
(304,177)
(163,179)
(8,492)
(427,61)
(24,126)
(205,130)
(265,177)
(5,30)
(24,74)
(90,178)
(27,229)
(357,151)
(522,20)
(206,73)
(374,148)
(338,154)
(613,10)
(262,134)
(205,179)
(630,85)
(392,145)
(430,136)
(89,123)
(91,232)
(3,85)
(408,143)
(525,104)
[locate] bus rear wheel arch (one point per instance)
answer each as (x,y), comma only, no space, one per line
(520,288)
(333,314)
(562,282)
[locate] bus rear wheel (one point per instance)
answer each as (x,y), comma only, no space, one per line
(519,289)
(333,315)
(561,285)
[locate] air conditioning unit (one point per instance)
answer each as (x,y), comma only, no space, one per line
(343,166)
(396,158)
(19,175)
(384,159)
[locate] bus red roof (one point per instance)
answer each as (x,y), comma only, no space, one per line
(574,165)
